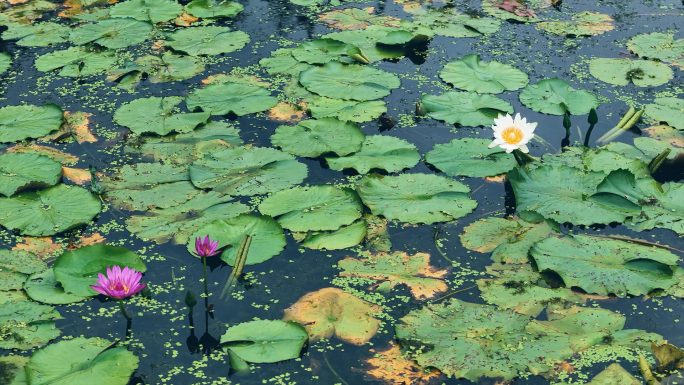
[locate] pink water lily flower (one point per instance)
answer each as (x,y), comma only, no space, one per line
(118,283)
(206,247)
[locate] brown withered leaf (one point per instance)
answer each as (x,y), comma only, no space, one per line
(496,178)
(669,357)
(76,7)
(287,112)
(76,125)
(76,175)
(391,367)
(52,153)
(87,240)
(355,18)
(516,8)
(185,19)
(331,311)
(397,268)
(665,133)
(43,247)
(158,45)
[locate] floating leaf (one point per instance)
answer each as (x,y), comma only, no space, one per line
(664,134)
(154,11)
(77,269)
(50,152)
(265,341)
(28,121)
(379,42)
(43,287)
(621,72)
(313,208)
(392,269)
(379,151)
(112,33)
(212,40)
(517,8)
(416,198)
(670,110)
(42,247)
(26,325)
(556,97)
(157,115)
(451,23)
(282,62)
(585,23)
(494,9)
(391,366)
(247,171)
(355,18)
(606,266)
(13,369)
(342,238)
(658,46)
(224,98)
(168,67)
(268,239)
(36,35)
(287,112)
(5,62)
(377,236)
(614,374)
(332,311)
(566,194)
(50,211)
(180,222)
(208,9)
(21,261)
(77,61)
(82,360)
(312,138)
(348,110)
(27,171)
(465,108)
(470,157)
(493,77)
(321,51)
(355,82)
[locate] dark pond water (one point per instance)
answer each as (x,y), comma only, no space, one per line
(171,351)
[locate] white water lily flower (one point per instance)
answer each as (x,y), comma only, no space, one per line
(512,134)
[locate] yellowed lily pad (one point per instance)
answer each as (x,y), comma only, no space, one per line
(390,366)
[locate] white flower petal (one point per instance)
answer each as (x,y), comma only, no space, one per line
(524,148)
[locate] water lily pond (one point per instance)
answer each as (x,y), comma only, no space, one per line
(319,191)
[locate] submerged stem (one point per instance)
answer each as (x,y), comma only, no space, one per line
(325,357)
(123,310)
(206,290)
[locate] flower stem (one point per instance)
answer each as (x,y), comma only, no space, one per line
(586,139)
(123,310)
(517,158)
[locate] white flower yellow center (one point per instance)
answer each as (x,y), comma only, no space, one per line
(512,135)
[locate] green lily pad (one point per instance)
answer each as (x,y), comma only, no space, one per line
(313,208)
(312,138)
(11,280)
(670,110)
(355,82)
(180,222)
(616,156)
(282,62)
(342,238)
(451,23)
(416,198)
(184,148)
(50,211)
(662,205)
(13,369)
(355,18)
(26,325)
(20,171)
(78,269)
(348,110)
(154,11)
(606,266)
(264,341)
(321,51)
(499,13)
(247,171)
(268,239)
(29,121)
(658,46)
(112,33)
(43,287)
(36,35)
(77,61)
(210,41)
(81,361)
(566,194)
(614,374)
(377,41)
(493,77)
(223,98)
(20,261)
(208,9)
(466,108)
(585,23)
(5,62)
(379,151)
(651,148)
(470,157)
(621,72)
(157,115)
(168,67)
(556,97)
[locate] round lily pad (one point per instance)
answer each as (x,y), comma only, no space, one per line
(470,157)
(208,9)
(36,35)
(81,361)
(416,198)
(20,171)
(196,41)
(268,239)
(659,46)
(312,138)
(585,23)
(451,23)
(26,325)
(112,33)
(556,97)
(265,341)
(642,73)
(466,108)
(154,11)
(355,82)
(77,61)
(321,51)
(349,110)
(43,287)
(238,98)
(493,77)
(22,122)
(50,211)
(342,238)
(78,269)
(379,151)
(157,115)
(670,110)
